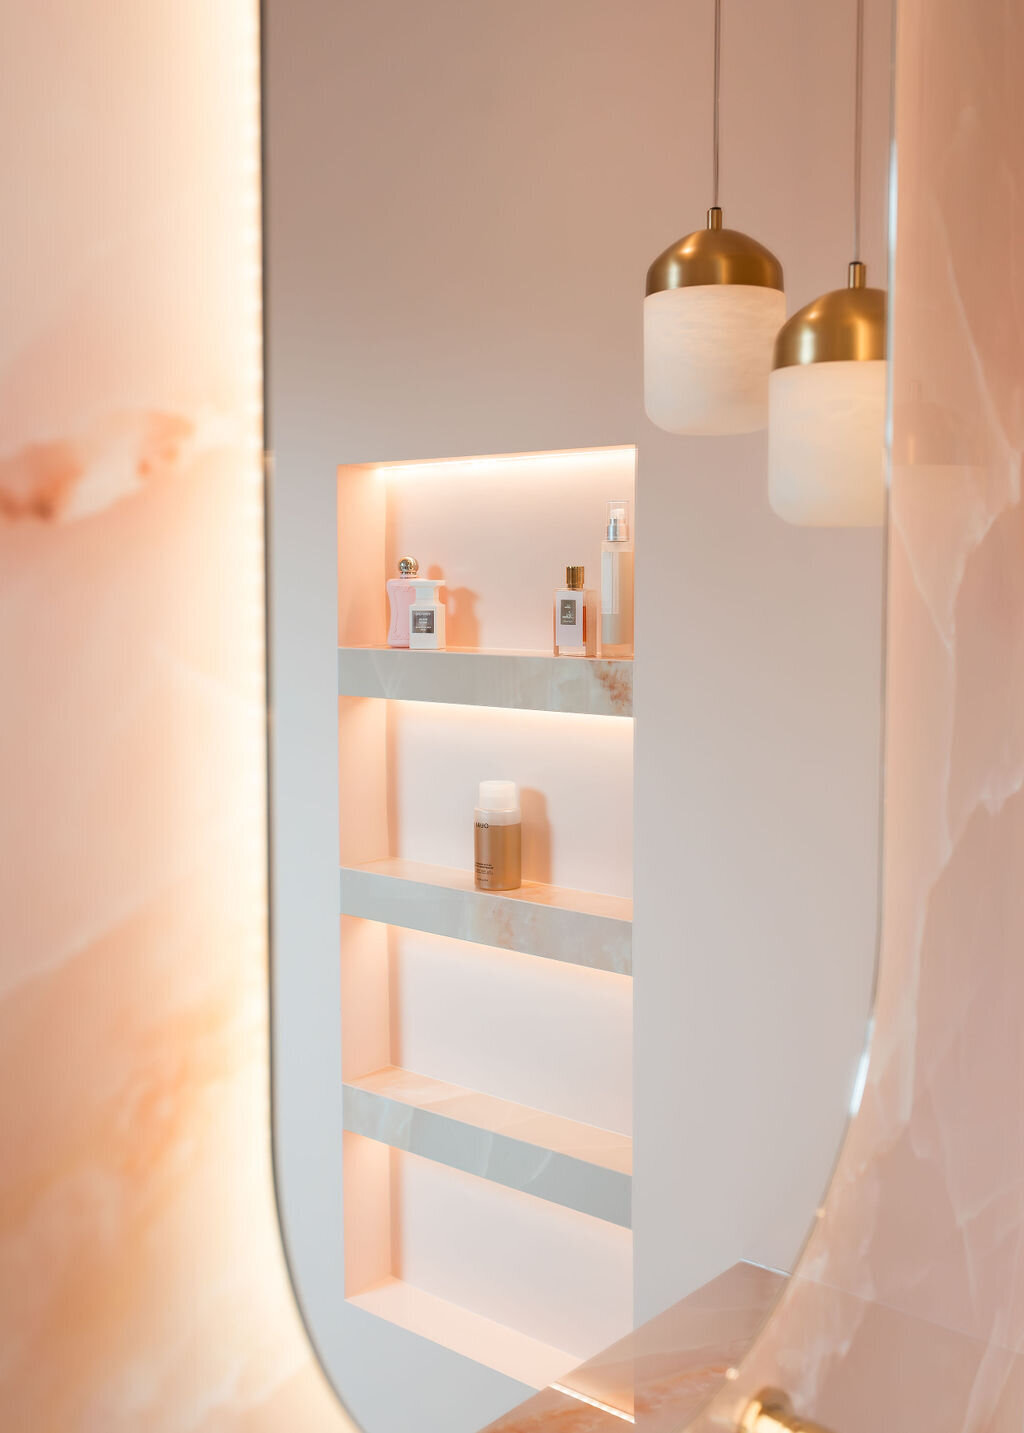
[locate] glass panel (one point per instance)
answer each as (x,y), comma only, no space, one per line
(906,1310)
(557,1135)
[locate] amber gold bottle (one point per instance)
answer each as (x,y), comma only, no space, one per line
(498,838)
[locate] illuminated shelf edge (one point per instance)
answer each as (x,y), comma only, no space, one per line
(526,681)
(463,1331)
(576,927)
(548,1156)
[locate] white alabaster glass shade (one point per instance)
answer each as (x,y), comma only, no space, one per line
(707,356)
(826,443)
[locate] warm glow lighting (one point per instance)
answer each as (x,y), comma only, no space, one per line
(707,355)
(827,394)
(141,1156)
(584,458)
(826,443)
(461,711)
(714,304)
(593,1402)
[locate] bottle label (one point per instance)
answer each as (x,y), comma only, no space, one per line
(422,621)
(567,612)
(498,857)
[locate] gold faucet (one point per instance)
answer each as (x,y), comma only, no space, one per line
(772,1412)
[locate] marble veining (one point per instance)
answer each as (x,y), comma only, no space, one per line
(141,1278)
(142,1284)
(553,1158)
(659,1375)
(907,1309)
(532,681)
(580,927)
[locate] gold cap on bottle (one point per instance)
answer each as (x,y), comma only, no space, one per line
(574,579)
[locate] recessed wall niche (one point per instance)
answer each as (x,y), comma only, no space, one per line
(486,1037)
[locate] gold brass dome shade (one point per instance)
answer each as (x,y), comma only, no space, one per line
(827,390)
(713,307)
(827,397)
(844,324)
(714,256)
(714,303)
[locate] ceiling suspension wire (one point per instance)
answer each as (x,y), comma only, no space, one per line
(718,89)
(858,129)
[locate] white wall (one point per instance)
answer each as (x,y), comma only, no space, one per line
(462,202)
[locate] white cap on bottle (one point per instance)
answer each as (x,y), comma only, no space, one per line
(499,796)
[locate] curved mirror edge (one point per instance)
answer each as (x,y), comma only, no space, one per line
(904,1310)
(745,1289)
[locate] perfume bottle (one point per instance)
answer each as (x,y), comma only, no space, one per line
(617,583)
(575,617)
(401,593)
(426,614)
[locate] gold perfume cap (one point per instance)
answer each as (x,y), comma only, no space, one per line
(574,579)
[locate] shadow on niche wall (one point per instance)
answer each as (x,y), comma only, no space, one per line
(463,622)
(536,835)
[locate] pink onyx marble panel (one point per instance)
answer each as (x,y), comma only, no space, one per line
(142,1285)
(141,1279)
(908,1307)
(661,1374)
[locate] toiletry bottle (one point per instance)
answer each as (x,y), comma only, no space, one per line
(498,838)
(575,617)
(617,583)
(400,595)
(426,614)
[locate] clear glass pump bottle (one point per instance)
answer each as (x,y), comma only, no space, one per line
(617,582)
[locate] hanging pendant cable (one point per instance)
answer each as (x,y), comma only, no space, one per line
(718,86)
(858,127)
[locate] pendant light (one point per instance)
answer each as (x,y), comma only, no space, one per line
(713,307)
(826,437)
